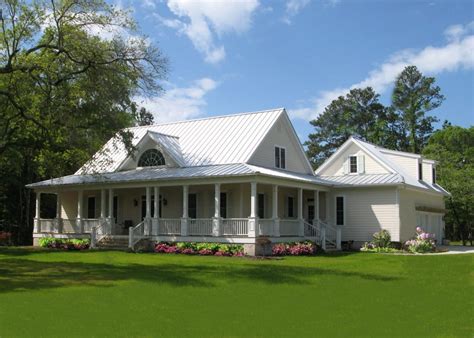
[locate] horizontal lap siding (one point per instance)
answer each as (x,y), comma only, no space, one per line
(368,211)
(409,199)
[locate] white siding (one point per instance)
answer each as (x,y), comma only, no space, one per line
(336,168)
(280,135)
(427,172)
(409,164)
(409,199)
(367,210)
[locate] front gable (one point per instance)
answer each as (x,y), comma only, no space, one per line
(339,163)
(281,135)
(167,145)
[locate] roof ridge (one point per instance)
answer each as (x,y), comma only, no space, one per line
(208,118)
(168,135)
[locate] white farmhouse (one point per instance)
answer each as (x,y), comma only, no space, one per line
(236,178)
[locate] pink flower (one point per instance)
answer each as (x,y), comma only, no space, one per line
(418,229)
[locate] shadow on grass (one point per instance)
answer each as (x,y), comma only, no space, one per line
(19,274)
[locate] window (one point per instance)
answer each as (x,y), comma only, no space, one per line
(420,171)
(261,205)
(151,158)
(91,207)
(339,210)
(434,175)
(280,157)
(192,205)
(223,205)
(291,206)
(353,164)
(115,208)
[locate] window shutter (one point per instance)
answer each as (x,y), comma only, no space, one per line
(360,164)
(346,166)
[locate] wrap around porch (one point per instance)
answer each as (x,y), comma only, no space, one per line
(219,212)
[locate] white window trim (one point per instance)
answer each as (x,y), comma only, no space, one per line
(163,153)
(344,210)
(349,165)
(286,156)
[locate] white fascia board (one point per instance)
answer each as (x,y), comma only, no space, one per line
(376,157)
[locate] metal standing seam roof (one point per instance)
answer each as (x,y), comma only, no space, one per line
(362,180)
(170,145)
(209,141)
(155,174)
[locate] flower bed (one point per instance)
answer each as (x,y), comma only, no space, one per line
(203,249)
(381,242)
(294,249)
(64,244)
(423,242)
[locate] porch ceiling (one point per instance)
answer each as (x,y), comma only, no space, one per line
(154,174)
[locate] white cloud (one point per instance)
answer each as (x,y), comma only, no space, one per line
(205,20)
(180,103)
(293,7)
(457,53)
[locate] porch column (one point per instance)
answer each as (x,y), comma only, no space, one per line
(103,201)
(59,223)
(216,221)
(252,226)
(147,227)
(156,216)
(80,197)
(111,211)
(316,208)
(184,219)
(276,220)
(37,223)
(300,212)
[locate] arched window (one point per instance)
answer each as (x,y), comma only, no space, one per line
(151,158)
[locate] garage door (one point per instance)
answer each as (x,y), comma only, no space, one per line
(432,223)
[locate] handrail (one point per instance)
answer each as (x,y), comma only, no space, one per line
(331,233)
(98,232)
(134,238)
(311,230)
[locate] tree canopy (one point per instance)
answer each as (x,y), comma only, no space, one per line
(453,148)
(69,73)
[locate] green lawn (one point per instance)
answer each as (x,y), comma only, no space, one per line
(65,294)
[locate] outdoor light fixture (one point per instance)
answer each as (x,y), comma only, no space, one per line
(135,202)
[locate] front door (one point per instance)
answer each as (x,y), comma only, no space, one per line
(310,213)
(152,206)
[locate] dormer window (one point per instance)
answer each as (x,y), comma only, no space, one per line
(353,164)
(420,171)
(280,157)
(151,158)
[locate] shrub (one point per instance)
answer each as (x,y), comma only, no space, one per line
(204,249)
(382,239)
(423,242)
(65,244)
(5,238)
(294,249)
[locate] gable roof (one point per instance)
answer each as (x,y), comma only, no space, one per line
(208,141)
(378,154)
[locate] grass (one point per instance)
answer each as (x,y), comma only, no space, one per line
(58,294)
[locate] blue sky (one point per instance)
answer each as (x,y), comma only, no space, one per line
(237,56)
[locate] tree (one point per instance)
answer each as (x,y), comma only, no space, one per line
(65,90)
(359,113)
(413,96)
(453,148)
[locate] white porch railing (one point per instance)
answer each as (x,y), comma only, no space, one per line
(135,234)
(89,223)
(331,233)
(289,227)
(312,230)
(169,226)
(266,227)
(200,227)
(234,226)
(99,231)
(47,225)
(70,225)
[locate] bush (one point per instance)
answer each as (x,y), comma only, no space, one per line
(294,249)
(204,249)
(5,238)
(381,242)
(422,243)
(65,244)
